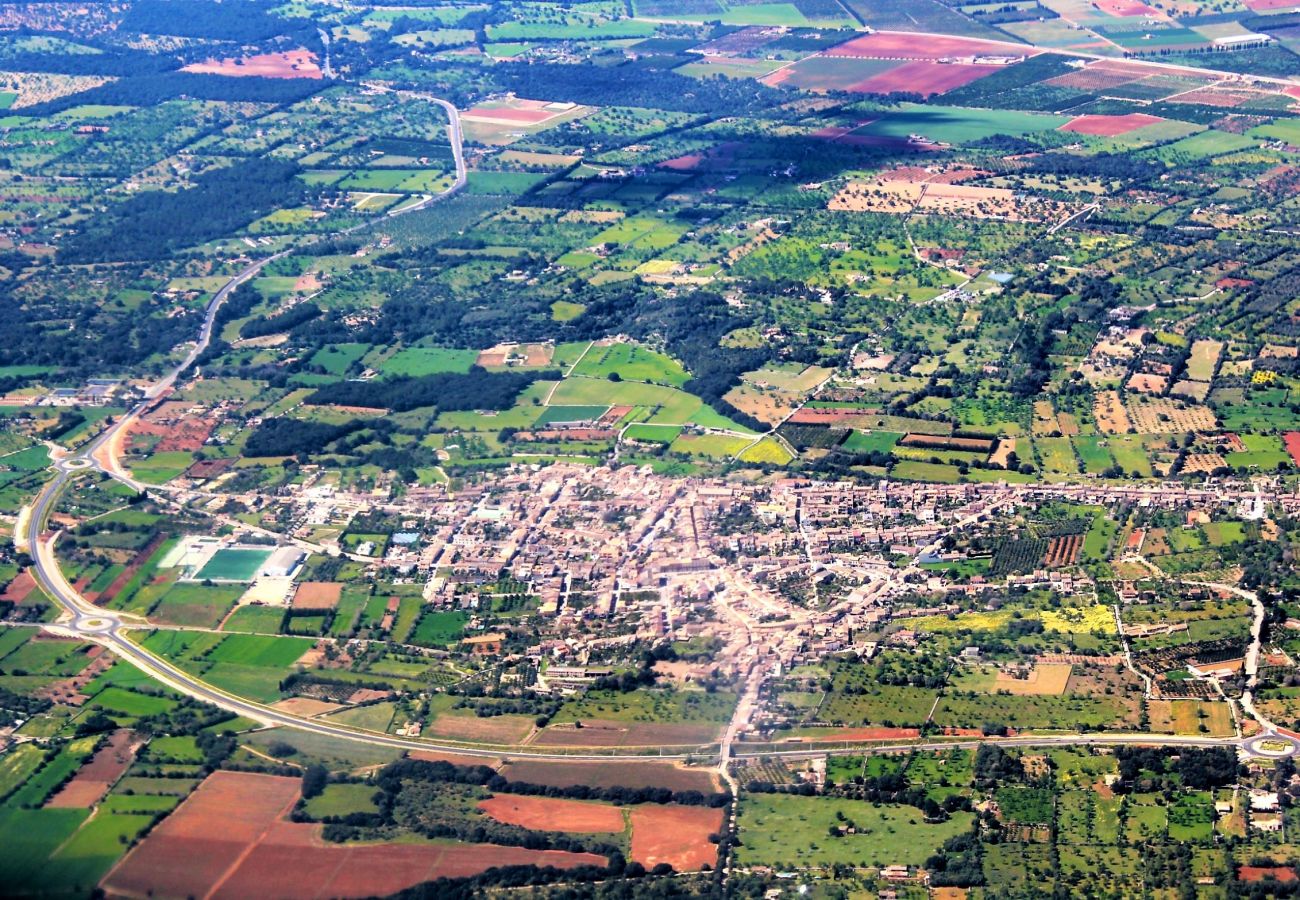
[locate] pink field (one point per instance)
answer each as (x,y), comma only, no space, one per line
(923,77)
(505,114)
(293,64)
(1124,8)
(1259,5)
(1110,126)
(883,45)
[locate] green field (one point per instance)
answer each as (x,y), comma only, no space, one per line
(784,831)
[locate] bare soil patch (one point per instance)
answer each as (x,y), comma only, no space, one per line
(93,780)
(554,814)
(317,595)
(677,835)
(291,64)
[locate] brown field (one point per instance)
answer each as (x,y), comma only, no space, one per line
(1214,96)
(768,406)
(1187,717)
(1064,550)
(1044,679)
(891,195)
(293,64)
(230,839)
(677,835)
(20,588)
(185,436)
(1099,76)
(1110,414)
(598,733)
(93,780)
(456,759)
(1100,679)
(1194,390)
(555,814)
(1002,454)
(306,706)
(317,595)
(498,729)
(1203,462)
(611,774)
(922,46)
(1110,126)
(1146,383)
(1169,416)
(944,442)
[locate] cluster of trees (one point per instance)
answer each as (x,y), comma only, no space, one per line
(475,389)
(292,437)
(959,862)
(1147,769)
(288,320)
(156,224)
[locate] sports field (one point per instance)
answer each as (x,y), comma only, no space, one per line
(233,565)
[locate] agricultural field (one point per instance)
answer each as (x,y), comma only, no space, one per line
(491,398)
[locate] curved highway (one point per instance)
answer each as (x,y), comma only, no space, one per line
(83,620)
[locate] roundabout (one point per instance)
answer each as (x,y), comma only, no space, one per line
(1272,745)
(94,624)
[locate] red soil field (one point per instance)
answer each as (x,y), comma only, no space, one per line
(882,45)
(677,835)
(18,590)
(505,114)
(1259,873)
(1110,126)
(554,814)
(317,595)
(1124,8)
(610,774)
(292,862)
(1064,550)
(186,436)
(682,163)
(293,64)
(259,854)
(923,77)
(1292,442)
(773,79)
(93,780)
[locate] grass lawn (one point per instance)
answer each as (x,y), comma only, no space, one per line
(418,361)
(781,830)
(632,363)
(258,619)
(338,800)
